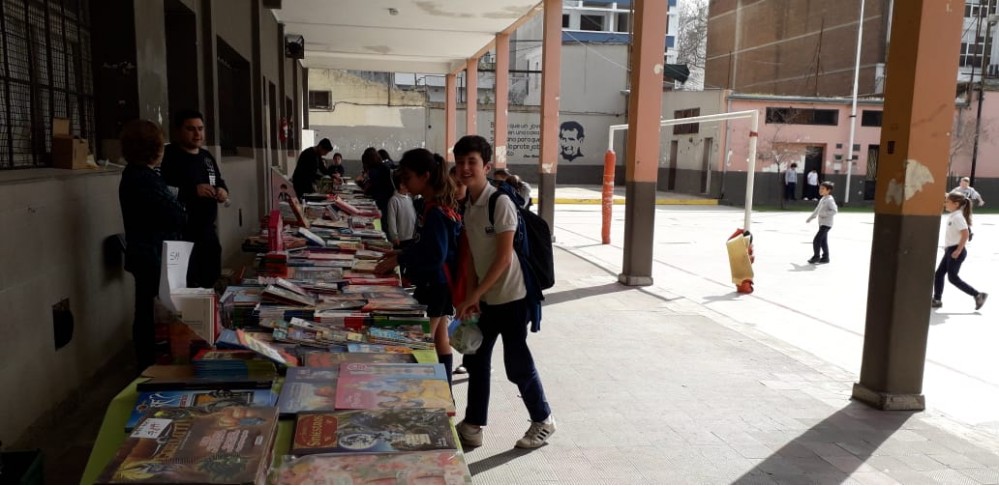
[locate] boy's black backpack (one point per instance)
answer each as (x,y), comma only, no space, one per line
(532,241)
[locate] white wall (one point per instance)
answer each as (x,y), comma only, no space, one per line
(55,222)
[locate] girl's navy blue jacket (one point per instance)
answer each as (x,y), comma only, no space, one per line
(435,245)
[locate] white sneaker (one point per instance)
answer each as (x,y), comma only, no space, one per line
(470,435)
(537,435)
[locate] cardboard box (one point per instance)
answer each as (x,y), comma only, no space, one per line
(68,152)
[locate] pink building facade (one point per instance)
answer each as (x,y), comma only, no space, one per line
(712,159)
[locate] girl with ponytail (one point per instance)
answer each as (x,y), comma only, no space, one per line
(958,233)
(428,261)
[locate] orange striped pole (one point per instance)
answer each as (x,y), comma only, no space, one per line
(607,198)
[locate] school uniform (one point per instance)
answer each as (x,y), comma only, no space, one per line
(401,219)
(949,266)
(504,312)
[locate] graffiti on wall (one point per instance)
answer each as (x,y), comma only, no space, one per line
(523,141)
(570,140)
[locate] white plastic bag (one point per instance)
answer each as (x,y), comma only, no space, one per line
(467,338)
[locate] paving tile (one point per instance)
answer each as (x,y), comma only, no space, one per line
(983,476)
(950,476)
(873,478)
(956,461)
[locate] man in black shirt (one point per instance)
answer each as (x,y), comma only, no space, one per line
(194,171)
(310,167)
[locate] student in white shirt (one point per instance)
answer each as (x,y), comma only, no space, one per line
(791,182)
(956,237)
(401,219)
(813,185)
(497,292)
(969,192)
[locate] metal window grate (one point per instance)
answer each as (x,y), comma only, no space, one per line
(45,72)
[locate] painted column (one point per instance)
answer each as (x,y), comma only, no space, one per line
(551,79)
(912,170)
(502,98)
(450,115)
(471,96)
(642,163)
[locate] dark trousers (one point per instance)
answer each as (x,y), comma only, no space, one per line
(789,190)
(821,242)
(206,260)
(510,321)
(811,192)
(950,267)
(143,330)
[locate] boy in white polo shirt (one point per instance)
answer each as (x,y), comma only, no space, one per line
(498,294)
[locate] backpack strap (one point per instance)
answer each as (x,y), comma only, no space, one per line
(492,206)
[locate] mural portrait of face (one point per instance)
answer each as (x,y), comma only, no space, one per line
(570,137)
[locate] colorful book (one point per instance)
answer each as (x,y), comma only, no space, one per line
(377,348)
(231,445)
(365,431)
(362,386)
(308,390)
(322,359)
(438,467)
(208,399)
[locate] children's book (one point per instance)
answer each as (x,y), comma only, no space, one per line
(438,467)
(308,390)
(209,445)
(362,386)
(366,431)
(322,359)
(377,348)
(211,399)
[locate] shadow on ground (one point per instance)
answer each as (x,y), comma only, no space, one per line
(831,451)
(584,292)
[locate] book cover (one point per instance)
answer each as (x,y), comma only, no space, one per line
(439,467)
(308,390)
(377,348)
(209,399)
(362,389)
(322,359)
(365,431)
(230,445)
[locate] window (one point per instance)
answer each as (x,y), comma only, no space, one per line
(870,118)
(972,55)
(235,117)
(565,21)
(802,116)
(591,22)
(686,128)
(45,73)
(623,22)
(320,100)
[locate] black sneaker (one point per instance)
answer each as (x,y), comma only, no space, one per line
(980,300)
(813,260)
(937,303)
(824,260)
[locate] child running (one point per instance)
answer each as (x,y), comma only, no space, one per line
(825,210)
(434,247)
(956,237)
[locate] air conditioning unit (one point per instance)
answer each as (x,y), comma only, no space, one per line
(294,47)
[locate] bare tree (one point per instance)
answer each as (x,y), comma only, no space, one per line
(780,150)
(692,41)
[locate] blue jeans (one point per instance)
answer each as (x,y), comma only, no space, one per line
(510,321)
(949,267)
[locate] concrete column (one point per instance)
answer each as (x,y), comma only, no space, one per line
(502,98)
(912,170)
(450,115)
(642,164)
(551,79)
(471,96)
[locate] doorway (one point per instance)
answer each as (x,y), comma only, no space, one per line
(674,148)
(871,179)
(813,161)
(706,165)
